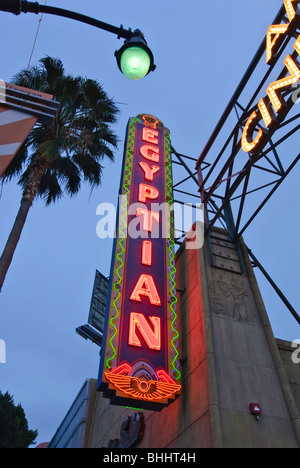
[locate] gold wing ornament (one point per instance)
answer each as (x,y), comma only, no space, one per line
(150,390)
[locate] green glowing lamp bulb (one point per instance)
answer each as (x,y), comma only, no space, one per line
(135,63)
(134,58)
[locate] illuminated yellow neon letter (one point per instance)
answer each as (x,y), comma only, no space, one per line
(265,112)
(277,30)
(291,12)
(247,145)
(288,81)
(297,45)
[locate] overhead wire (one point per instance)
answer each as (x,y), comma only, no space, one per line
(25,79)
(33,47)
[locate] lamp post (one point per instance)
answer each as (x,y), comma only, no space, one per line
(134,58)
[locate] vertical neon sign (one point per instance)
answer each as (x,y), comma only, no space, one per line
(139,360)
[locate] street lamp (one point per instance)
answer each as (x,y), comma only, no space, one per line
(134,58)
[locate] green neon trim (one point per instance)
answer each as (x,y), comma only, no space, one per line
(117,287)
(172,269)
(118,274)
(132,407)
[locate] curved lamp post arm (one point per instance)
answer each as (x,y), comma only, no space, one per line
(17,7)
(134,58)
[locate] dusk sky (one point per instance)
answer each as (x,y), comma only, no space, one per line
(201,50)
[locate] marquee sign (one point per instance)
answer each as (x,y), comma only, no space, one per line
(273,108)
(139,361)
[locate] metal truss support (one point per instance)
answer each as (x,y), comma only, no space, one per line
(256,263)
(233,174)
(228,178)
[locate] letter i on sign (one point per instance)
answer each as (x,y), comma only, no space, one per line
(147,253)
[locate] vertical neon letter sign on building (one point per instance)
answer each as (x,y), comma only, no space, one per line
(139,361)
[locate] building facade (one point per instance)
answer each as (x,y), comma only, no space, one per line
(240,385)
(74,431)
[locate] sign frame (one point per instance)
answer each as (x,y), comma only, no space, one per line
(141,325)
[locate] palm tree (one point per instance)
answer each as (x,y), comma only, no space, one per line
(58,158)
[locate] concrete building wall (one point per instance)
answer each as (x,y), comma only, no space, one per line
(244,359)
(290,359)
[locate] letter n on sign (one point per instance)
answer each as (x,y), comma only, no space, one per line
(139,363)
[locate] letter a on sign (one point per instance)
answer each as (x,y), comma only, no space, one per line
(146,287)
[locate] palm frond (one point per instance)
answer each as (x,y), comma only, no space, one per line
(50,189)
(34,78)
(80,138)
(68,174)
(49,149)
(92,170)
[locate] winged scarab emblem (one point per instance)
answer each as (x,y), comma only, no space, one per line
(143,387)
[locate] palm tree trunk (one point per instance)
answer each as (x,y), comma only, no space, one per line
(36,173)
(13,239)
